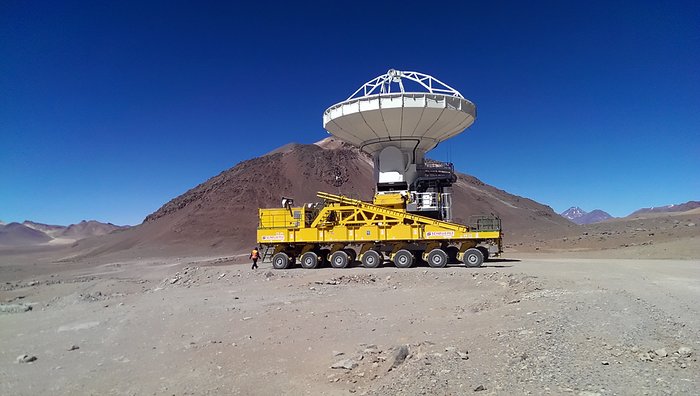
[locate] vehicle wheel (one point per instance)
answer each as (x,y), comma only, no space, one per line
(352,256)
(280,261)
(339,259)
(473,258)
(452,253)
(371,259)
(403,259)
(484,251)
(309,260)
(437,258)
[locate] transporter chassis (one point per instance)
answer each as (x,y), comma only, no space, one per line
(342,230)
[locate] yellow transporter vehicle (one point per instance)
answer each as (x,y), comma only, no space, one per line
(410,217)
(342,229)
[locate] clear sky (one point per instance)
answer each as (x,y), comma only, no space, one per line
(108,109)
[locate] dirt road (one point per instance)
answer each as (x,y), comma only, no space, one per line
(538,324)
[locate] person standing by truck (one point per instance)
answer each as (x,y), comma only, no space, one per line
(254,255)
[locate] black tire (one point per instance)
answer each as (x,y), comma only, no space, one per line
(309,260)
(437,258)
(339,259)
(280,261)
(484,251)
(352,256)
(473,258)
(371,259)
(403,259)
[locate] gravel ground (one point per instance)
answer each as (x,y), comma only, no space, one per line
(539,324)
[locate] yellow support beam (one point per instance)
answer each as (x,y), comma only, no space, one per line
(399,215)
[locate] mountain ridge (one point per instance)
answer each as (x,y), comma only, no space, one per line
(683,207)
(580,216)
(30,232)
(222,212)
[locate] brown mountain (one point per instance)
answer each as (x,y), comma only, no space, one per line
(16,234)
(221,213)
(684,207)
(89,228)
(48,229)
(33,233)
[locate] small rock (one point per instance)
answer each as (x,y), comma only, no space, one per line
(248,318)
(371,349)
(34,283)
(661,352)
(388,278)
(338,353)
(347,364)
(15,308)
(73,347)
(645,357)
(400,356)
(25,359)
(605,363)
(685,352)
(691,224)
(479,388)
(463,355)
(450,349)
(634,349)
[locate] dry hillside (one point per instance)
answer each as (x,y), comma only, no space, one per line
(221,213)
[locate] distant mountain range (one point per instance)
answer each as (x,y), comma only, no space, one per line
(690,205)
(580,216)
(16,234)
(32,233)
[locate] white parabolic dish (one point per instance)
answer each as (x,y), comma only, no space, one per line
(374,117)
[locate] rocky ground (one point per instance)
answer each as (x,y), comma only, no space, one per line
(532,324)
(668,235)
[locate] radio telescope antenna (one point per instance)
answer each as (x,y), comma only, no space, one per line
(397,127)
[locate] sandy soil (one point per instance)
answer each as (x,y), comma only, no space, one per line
(535,323)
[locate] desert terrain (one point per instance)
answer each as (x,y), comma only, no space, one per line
(528,323)
(171,306)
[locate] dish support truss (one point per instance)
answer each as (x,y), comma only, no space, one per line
(394,78)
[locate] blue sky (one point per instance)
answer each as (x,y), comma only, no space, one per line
(110,109)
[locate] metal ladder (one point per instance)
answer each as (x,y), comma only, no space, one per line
(267,254)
